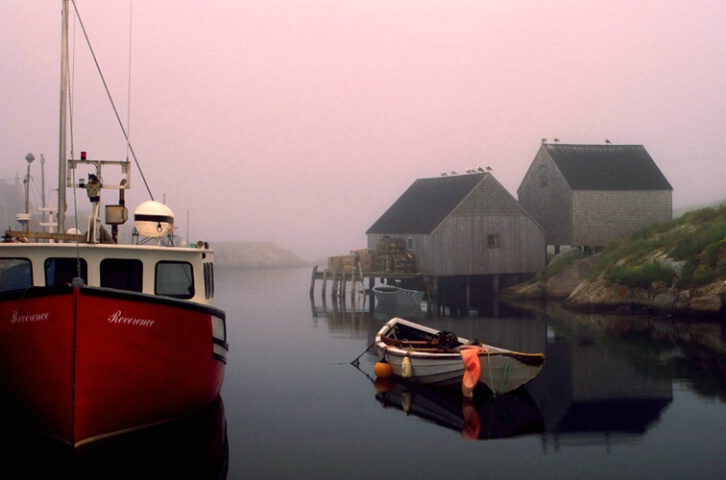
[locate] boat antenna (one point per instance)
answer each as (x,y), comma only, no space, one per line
(128,92)
(113,105)
(63,121)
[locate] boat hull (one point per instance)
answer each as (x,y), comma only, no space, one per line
(83,364)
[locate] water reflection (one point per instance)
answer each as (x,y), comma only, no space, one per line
(194,447)
(607,379)
(480,418)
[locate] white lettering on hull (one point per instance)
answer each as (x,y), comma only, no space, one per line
(29,318)
(117,317)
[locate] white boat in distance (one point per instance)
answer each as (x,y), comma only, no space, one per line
(421,354)
(392,296)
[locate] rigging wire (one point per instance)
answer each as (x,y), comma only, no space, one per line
(70,81)
(113,105)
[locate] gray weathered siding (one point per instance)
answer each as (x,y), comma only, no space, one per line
(520,250)
(586,217)
(600,217)
(545,194)
(459,245)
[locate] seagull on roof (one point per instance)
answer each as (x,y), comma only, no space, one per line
(489,168)
(453,172)
(544,140)
(444,174)
(557,140)
(479,169)
(608,141)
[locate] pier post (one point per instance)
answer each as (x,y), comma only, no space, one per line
(372,304)
(325,283)
(352,289)
(312,281)
(334,291)
(343,286)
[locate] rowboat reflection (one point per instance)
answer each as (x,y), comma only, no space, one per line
(193,447)
(477,418)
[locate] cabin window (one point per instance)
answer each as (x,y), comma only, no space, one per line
(61,271)
(15,274)
(174,279)
(208,280)
(122,274)
(493,241)
(409,243)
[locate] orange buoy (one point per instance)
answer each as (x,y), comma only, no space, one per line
(383,369)
(472,371)
(382,385)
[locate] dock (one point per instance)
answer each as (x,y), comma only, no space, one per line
(348,275)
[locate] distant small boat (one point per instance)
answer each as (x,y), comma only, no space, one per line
(390,295)
(420,354)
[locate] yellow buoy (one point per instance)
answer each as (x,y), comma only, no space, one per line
(406,369)
(383,369)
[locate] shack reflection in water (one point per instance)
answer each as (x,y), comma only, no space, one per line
(193,447)
(607,379)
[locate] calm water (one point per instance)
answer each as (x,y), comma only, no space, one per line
(615,399)
(618,397)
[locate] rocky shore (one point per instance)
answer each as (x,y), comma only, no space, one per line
(574,289)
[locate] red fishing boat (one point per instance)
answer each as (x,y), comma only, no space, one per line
(99,338)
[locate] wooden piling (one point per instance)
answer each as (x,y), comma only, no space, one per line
(312,281)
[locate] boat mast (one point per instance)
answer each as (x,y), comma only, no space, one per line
(63,120)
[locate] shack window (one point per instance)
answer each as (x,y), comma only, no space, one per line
(174,279)
(122,274)
(61,271)
(15,274)
(493,241)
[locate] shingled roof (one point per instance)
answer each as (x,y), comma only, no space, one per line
(426,203)
(607,167)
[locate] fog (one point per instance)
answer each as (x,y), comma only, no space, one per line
(300,122)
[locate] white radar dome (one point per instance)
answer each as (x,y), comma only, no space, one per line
(153,219)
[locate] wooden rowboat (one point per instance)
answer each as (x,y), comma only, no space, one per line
(391,295)
(420,354)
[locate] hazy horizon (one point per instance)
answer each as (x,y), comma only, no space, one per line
(301,122)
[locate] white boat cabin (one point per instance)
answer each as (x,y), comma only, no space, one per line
(182,273)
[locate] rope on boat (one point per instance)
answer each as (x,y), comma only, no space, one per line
(491,377)
(356,362)
(505,380)
(110,98)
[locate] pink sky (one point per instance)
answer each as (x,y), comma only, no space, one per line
(300,122)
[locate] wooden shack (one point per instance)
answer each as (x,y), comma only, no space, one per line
(459,227)
(590,195)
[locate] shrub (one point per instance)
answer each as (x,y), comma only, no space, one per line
(640,276)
